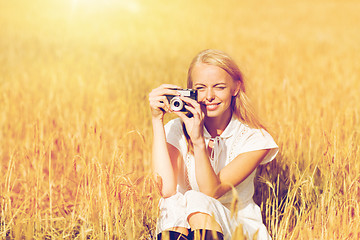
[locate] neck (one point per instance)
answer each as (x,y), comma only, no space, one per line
(216,125)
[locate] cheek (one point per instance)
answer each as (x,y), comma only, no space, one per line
(201,96)
(225,96)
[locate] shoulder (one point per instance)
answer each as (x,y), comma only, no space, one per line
(243,132)
(173,125)
(249,139)
(174,128)
(259,134)
(175,134)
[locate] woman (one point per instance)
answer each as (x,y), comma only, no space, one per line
(201,160)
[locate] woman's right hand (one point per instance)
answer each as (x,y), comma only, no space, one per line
(158,101)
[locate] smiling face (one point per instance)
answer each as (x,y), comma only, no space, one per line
(215,89)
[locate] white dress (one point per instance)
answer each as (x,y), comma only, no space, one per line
(237,138)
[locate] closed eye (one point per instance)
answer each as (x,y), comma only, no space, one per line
(199,88)
(220,87)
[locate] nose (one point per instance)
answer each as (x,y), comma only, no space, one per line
(210,95)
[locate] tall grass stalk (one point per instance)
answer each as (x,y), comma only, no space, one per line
(75,127)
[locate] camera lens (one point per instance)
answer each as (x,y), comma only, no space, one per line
(176,104)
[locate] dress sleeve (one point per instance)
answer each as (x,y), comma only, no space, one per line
(174,133)
(256,139)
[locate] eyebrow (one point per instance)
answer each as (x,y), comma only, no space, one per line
(200,84)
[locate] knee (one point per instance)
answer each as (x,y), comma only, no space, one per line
(199,220)
(204,226)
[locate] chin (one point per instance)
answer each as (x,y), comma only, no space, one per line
(212,114)
(216,113)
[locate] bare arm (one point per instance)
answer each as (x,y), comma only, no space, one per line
(231,175)
(210,183)
(164,158)
(164,155)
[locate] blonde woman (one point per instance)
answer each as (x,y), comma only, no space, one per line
(199,159)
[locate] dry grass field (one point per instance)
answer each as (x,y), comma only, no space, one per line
(75,127)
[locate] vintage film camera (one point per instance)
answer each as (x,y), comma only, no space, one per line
(176,104)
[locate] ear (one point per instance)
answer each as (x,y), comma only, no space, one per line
(237,88)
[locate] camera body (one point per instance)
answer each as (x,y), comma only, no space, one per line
(176,104)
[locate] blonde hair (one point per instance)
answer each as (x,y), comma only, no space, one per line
(240,105)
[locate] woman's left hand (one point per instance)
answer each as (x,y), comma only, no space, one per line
(195,124)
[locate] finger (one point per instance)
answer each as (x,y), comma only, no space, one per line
(170,86)
(164,91)
(161,106)
(190,101)
(164,100)
(173,88)
(203,109)
(193,103)
(157,105)
(194,112)
(160,101)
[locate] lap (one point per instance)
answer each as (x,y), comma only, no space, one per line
(175,211)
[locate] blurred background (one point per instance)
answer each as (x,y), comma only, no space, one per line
(75,127)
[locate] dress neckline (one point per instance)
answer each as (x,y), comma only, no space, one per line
(227,133)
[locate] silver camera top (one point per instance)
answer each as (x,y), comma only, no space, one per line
(186,92)
(176,104)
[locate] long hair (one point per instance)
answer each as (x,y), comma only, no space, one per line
(240,104)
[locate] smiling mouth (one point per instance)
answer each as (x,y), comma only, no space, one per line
(212,106)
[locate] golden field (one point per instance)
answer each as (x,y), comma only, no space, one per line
(75,127)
